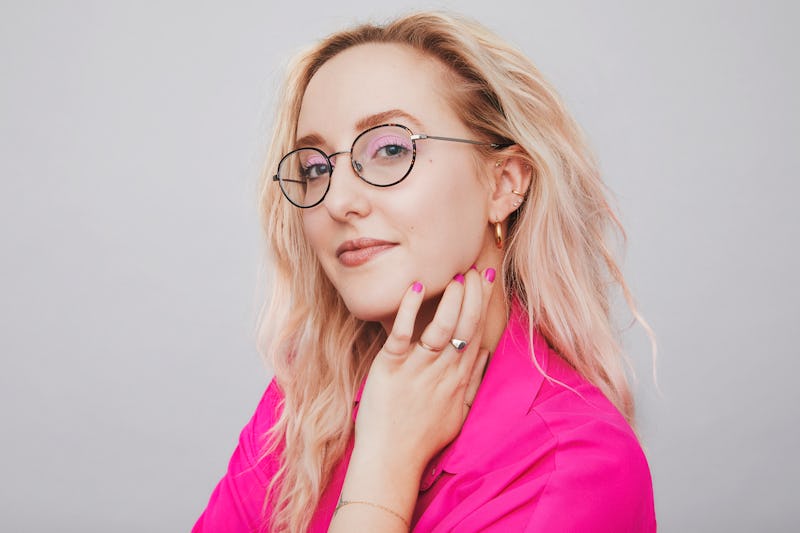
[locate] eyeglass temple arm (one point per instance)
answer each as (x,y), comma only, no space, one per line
(276,178)
(453,139)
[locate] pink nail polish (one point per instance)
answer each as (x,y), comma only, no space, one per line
(417,287)
(459,278)
(474,267)
(490,274)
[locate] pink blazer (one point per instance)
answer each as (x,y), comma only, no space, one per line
(532,456)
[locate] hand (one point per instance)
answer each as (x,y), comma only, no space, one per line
(416,394)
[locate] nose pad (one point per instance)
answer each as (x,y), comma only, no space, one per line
(345,194)
(357,166)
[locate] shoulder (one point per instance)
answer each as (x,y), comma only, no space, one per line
(236,502)
(269,408)
(542,450)
(253,439)
(597,460)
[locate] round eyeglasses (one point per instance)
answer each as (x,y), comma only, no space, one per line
(382,156)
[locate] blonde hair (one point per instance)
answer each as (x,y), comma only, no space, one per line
(558,258)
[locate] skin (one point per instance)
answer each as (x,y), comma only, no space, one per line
(439,221)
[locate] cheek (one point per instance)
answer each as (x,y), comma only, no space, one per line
(315,233)
(312,225)
(449,242)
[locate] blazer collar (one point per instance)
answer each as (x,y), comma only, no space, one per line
(504,397)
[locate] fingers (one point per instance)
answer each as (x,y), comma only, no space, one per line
(456,365)
(467,329)
(471,370)
(459,315)
(438,333)
(483,293)
(471,309)
(399,340)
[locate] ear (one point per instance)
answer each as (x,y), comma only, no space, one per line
(511,175)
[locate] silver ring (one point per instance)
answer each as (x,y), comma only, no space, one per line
(458,344)
(428,346)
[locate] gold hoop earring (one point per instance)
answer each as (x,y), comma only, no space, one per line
(498,235)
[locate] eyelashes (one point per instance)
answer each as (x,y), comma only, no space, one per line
(388,146)
(314,167)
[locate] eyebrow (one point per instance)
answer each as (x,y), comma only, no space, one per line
(384,117)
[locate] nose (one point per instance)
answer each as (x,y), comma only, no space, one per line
(348,193)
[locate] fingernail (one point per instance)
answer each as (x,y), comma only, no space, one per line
(474,267)
(459,278)
(417,287)
(490,274)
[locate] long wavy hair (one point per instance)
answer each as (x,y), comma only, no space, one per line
(558,261)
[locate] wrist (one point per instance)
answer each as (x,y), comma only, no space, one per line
(383,481)
(387,463)
(342,503)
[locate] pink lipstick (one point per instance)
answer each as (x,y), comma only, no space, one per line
(358,251)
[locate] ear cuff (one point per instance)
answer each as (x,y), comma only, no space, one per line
(520,197)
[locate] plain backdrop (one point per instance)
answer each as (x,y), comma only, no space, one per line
(131,138)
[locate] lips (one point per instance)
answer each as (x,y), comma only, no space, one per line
(358,251)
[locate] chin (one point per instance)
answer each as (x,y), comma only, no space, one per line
(372,296)
(374,308)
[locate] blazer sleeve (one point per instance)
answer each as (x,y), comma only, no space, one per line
(237,501)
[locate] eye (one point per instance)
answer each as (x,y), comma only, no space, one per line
(389,147)
(315,167)
(391,150)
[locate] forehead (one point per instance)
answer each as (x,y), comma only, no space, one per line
(370,79)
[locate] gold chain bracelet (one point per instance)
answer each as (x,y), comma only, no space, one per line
(343,502)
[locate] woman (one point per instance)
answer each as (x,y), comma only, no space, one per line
(439,326)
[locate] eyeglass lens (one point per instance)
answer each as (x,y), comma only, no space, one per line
(381,156)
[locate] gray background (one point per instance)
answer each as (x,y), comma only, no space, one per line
(131,136)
